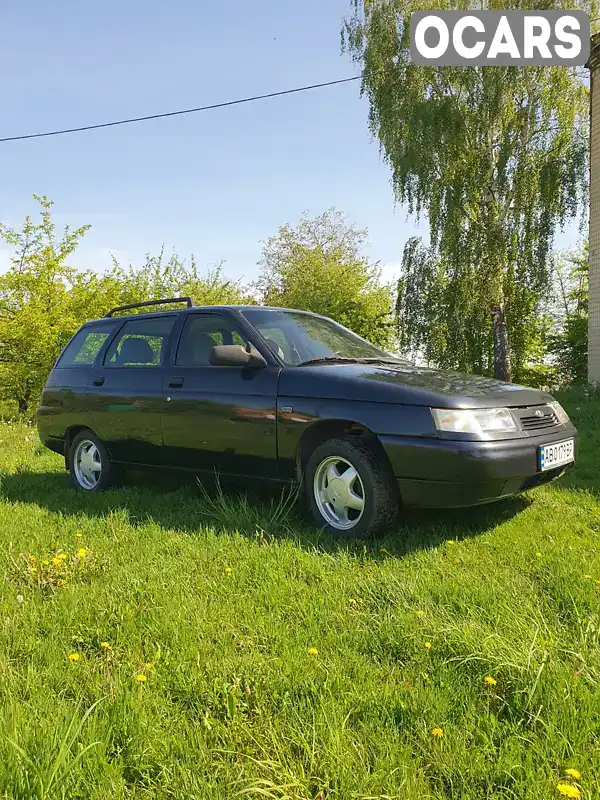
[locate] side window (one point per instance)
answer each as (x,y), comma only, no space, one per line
(201,333)
(141,343)
(85,346)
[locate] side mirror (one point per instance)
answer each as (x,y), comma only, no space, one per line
(234,355)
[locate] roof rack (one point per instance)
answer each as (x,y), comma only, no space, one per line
(187,300)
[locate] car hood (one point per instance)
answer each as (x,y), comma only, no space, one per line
(405,384)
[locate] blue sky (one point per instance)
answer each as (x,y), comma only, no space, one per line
(214,184)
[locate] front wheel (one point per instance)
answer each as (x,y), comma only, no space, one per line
(89,463)
(350,491)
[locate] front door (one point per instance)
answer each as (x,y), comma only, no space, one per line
(218,419)
(127,390)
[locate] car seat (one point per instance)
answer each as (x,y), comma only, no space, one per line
(135,350)
(274,348)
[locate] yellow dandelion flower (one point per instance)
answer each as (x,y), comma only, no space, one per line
(539,555)
(62,556)
(312,651)
(450,541)
(437,732)
(428,645)
(62,582)
(490,681)
(149,666)
(568,790)
(105,645)
(56,562)
(420,613)
(81,552)
(573,773)
(45,562)
(34,559)
(141,678)
(74,657)
(79,535)
(588,577)
(457,561)
(34,569)
(227,570)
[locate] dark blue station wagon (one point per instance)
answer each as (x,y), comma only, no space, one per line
(279,395)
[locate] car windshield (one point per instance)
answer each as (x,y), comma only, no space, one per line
(300,338)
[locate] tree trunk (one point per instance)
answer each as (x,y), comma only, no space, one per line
(501,351)
(23,404)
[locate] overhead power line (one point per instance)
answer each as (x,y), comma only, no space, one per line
(177,113)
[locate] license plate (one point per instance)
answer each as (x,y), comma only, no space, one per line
(554,455)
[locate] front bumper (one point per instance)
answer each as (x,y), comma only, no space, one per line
(442,473)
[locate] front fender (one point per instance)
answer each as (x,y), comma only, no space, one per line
(296,415)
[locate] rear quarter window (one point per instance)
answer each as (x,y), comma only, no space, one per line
(84,347)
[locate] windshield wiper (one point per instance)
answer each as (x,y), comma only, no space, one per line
(329,359)
(384,360)
(345,360)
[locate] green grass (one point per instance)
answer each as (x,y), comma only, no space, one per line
(225,596)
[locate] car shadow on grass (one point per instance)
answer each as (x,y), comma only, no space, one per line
(582,480)
(261,514)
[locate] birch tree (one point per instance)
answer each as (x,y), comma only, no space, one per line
(496,157)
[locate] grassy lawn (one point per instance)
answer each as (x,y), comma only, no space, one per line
(225,649)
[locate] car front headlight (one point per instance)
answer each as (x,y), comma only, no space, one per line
(561,414)
(474,420)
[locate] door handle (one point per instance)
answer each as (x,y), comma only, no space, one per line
(98,381)
(175,383)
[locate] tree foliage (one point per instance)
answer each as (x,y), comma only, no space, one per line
(160,277)
(36,317)
(568,342)
(496,156)
(319,266)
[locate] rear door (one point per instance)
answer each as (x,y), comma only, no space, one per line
(219,419)
(66,396)
(127,390)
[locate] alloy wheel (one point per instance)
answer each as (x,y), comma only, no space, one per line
(87,464)
(339,493)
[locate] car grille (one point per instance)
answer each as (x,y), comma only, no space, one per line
(532,420)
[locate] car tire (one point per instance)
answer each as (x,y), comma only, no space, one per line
(86,452)
(350,490)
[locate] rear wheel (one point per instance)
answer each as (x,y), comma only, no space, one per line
(350,491)
(89,463)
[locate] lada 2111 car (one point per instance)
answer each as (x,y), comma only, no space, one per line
(281,395)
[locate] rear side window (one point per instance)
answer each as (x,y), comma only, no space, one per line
(84,347)
(140,343)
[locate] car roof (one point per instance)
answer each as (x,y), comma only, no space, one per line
(154,313)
